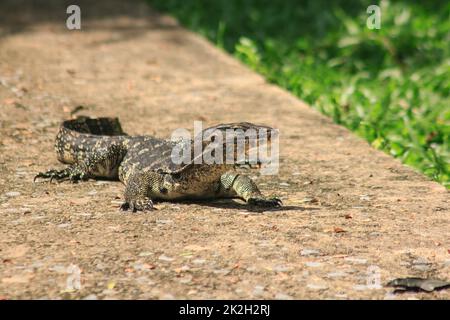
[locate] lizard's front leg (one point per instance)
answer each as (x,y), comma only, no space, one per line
(240,186)
(140,186)
(102,163)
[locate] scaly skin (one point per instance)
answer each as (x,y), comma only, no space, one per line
(98,148)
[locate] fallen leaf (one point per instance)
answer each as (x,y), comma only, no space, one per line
(339,230)
(428,285)
(148,266)
(111,285)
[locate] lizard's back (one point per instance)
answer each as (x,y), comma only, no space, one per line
(146,153)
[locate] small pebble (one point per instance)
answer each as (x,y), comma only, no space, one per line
(421,264)
(185,268)
(282,296)
(12,194)
(144,280)
(281,268)
(356,260)
(100,266)
(59,268)
(185,280)
(337,274)
(265,243)
(317,286)
(258,290)
(164,221)
(313,264)
(360,287)
(222,271)
(145,254)
(165,258)
(139,266)
(199,261)
(309,252)
(422,267)
(239,291)
(84,214)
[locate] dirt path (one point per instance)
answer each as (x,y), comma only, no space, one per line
(349,209)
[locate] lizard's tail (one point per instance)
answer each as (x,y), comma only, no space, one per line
(77,137)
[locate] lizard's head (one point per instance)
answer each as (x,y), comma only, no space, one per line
(241,143)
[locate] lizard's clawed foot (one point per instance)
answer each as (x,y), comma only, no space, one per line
(138,205)
(265,202)
(72,174)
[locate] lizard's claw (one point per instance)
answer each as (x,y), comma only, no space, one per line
(138,205)
(265,202)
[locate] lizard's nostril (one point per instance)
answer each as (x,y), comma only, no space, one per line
(163,190)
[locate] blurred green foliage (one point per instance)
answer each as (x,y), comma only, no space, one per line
(390,86)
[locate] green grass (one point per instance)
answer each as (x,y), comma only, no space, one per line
(391,86)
